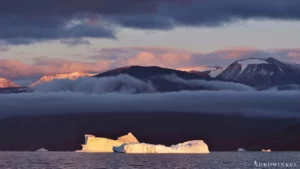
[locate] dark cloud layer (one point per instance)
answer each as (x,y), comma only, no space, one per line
(265,103)
(25,21)
(118,94)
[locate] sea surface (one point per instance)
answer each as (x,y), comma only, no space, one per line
(214,160)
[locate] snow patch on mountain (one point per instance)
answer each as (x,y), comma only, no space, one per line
(244,63)
(5,83)
(252,61)
(215,73)
(71,76)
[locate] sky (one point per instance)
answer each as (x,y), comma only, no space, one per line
(57,36)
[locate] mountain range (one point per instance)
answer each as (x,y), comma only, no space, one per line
(64,132)
(6,83)
(259,73)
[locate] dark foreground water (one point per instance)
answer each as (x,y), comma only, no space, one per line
(214,160)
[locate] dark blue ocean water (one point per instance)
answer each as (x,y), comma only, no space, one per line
(214,160)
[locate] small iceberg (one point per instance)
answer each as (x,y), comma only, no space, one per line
(42,150)
(241,150)
(267,150)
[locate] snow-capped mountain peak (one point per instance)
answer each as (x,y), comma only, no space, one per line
(5,83)
(250,61)
(262,72)
(71,76)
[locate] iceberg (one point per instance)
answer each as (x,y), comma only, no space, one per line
(189,147)
(241,150)
(129,138)
(42,150)
(104,145)
(129,144)
(268,150)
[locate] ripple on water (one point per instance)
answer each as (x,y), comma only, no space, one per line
(72,160)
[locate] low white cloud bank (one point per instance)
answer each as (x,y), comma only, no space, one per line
(126,84)
(211,85)
(252,103)
(116,84)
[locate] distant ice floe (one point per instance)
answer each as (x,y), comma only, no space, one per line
(267,150)
(42,150)
(241,150)
(129,144)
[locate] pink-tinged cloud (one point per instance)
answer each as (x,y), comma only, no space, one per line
(145,56)
(164,60)
(179,58)
(234,53)
(199,68)
(294,54)
(46,66)
(109,58)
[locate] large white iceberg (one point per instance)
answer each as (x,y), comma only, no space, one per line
(196,146)
(101,144)
(129,144)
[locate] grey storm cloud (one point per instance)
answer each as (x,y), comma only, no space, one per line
(126,94)
(284,104)
(75,42)
(26,21)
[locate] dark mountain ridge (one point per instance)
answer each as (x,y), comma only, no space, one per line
(148,72)
(155,75)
